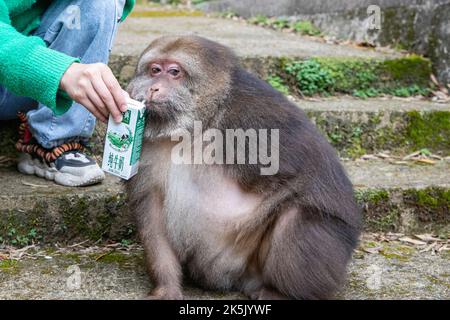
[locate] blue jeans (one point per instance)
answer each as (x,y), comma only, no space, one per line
(89,36)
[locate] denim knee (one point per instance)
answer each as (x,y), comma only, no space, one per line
(81,21)
(99,15)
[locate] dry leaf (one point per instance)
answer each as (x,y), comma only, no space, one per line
(369,157)
(426,237)
(440,95)
(34,185)
(394,236)
(412,241)
(383,155)
(434,79)
(412,155)
(434,156)
(400,162)
(374,250)
(429,248)
(426,161)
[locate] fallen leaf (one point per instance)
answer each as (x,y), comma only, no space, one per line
(34,185)
(440,95)
(372,250)
(400,162)
(369,157)
(412,155)
(383,155)
(394,236)
(412,241)
(429,248)
(426,161)
(434,156)
(426,237)
(434,80)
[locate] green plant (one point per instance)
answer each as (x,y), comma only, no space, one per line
(363,78)
(280,23)
(15,238)
(278,83)
(228,14)
(306,27)
(259,20)
(366,93)
(310,77)
(410,91)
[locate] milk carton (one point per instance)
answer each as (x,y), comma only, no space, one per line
(124,140)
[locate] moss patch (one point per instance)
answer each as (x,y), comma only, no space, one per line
(360,77)
(431,206)
(9,266)
(428,130)
(379,212)
(68,219)
(122,259)
(94,220)
(382,209)
(19,230)
(357,133)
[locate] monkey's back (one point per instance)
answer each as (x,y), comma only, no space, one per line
(303,151)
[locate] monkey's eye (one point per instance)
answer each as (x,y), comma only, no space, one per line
(174,72)
(155,70)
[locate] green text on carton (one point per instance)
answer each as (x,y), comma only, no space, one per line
(124,141)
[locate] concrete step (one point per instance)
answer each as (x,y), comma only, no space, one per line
(136,33)
(379,270)
(353,126)
(267,52)
(356,127)
(407,198)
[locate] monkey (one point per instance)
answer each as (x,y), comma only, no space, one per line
(226,226)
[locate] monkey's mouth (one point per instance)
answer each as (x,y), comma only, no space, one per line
(160,111)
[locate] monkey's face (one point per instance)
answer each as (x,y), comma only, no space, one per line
(162,85)
(182,79)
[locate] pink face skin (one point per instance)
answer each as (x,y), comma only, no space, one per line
(165,76)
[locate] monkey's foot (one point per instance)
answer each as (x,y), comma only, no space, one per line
(267,294)
(165,293)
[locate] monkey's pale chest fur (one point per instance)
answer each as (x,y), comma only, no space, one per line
(199,208)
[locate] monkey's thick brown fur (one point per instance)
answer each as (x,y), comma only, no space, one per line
(289,235)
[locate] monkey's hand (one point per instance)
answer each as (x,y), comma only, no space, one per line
(95,87)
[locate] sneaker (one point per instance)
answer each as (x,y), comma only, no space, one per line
(71,169)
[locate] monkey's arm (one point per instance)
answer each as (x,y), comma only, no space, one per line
(162,263)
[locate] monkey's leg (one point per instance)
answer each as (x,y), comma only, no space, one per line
(308,255)
(162,263)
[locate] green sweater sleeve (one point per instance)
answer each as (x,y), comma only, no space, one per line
(28,68)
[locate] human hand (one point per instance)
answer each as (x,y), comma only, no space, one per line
(95,87)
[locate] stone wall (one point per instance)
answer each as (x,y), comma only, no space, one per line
(421,26)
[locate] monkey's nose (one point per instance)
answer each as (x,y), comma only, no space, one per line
(152,91)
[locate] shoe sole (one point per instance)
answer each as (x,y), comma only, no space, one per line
(29,167)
